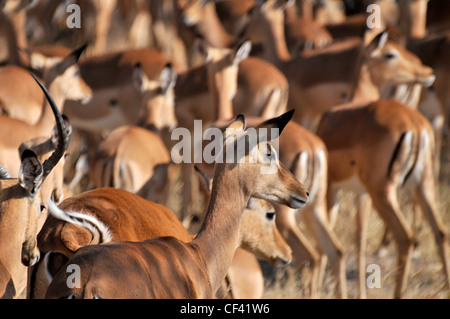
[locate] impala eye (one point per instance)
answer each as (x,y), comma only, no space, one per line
(389,56)
(42,207)
(270,215)
(269,150)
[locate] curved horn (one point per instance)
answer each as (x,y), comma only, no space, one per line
(61,147)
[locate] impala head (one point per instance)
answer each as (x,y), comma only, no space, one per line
(256,164)
(258,233)
(63,73)
(158,97)
(391,64)
(43,147)
(21,202)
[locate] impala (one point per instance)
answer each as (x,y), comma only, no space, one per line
(21,204)
(261,91)
(132,157)
(171,268)
(245,278)
(128,158)
(117,100)
(13,34)
(107,214)
(395,152)
(349,70)
(305,155)
(20,99)
(43,147)
(435,101)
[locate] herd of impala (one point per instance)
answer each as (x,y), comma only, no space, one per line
(360,108)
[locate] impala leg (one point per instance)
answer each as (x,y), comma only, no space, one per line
(187,189)
(332,205)
(329,245)
(386,203)
(425,193)
(302,251)
(362,216)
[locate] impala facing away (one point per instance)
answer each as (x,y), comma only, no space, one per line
(169,268)
(21,204)
(107,214)
(380,149)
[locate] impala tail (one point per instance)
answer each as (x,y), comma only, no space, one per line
(100,232)
(408,158)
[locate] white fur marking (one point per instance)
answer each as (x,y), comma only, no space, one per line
(86,220)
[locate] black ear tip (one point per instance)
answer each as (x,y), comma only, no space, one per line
(241,117)
(286,117)
(27,154)
(79,52)
(290,113)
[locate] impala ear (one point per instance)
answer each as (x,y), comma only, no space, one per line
(71,59)
(277,123)
(242,52)
(31,172)
(205,180)
(377,43)
(239,124)
(78,53)
(139,77)
(168,78)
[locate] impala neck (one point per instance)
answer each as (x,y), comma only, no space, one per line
(212,29)
(219,86)
(364,90)
(219,236)
(275,46)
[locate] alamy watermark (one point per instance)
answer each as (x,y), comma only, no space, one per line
(374,19)
(374,278)
(74,19)
(228,146)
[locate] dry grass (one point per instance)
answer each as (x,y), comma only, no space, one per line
(426,279)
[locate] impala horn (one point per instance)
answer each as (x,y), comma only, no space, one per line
(62,144)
